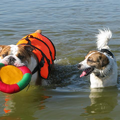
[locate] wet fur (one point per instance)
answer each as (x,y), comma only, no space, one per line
(23,55)
(102,66)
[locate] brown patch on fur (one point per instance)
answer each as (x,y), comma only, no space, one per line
(1,47)
(90,53)
(97,60)
(24,53)
(4,51)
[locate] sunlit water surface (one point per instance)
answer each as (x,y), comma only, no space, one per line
(72,26)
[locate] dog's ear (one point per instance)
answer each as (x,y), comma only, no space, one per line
(28,48)
(103,60)
(1,47)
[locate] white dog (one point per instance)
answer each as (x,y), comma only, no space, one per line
(101,64)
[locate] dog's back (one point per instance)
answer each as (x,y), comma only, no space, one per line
(44,50)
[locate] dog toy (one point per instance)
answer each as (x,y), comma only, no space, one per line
(13,79)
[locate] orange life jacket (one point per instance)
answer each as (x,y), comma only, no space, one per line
(44,50)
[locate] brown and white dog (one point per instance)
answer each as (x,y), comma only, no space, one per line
(101,64)
(19,55)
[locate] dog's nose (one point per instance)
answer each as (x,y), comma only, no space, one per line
(11,60)
(79,66)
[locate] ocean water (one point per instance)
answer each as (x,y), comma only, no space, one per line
(72,26)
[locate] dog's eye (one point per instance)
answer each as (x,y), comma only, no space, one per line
(21,56)
(90,60)
(3,55)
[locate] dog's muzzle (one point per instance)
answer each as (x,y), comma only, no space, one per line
(79,66)
(11,60)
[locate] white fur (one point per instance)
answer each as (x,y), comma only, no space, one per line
(13,53)
(17,63)
(102,39)
(32,64)
(13,49)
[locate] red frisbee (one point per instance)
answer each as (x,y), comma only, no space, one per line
(13,79)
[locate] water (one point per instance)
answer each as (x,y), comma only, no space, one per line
(71,25)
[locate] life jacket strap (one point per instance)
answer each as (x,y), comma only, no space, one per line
(45,44)
(37,68)
(41,63)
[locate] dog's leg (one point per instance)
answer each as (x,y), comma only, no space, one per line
(39,79)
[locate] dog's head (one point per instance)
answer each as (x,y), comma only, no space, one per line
(95,62)
(17,55)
